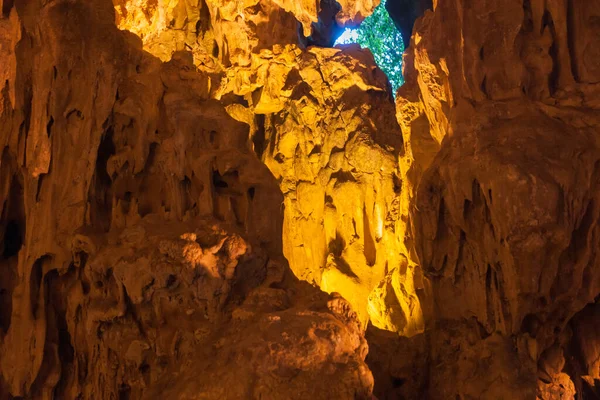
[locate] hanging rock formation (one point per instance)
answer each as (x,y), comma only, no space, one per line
(201,199)
(322,121)
(141,236)
(500,118)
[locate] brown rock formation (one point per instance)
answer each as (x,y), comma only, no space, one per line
(322,121)
(141,237)
(162,162)
(503,136)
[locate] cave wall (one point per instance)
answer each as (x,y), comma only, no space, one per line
(178,180)
(322,121)
(141,234)
(501,126)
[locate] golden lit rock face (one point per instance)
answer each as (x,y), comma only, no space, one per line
(501,174)
(338,171)
(224,31)
(141,236)
(322,122)
(354,12)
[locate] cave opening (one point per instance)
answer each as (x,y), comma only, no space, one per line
(379,34)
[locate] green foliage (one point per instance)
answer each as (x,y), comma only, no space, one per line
(378,33)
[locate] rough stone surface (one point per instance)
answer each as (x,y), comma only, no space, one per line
(502,170)
(141,235)
(323,122)
(338,171)
(223,33)
(178,179)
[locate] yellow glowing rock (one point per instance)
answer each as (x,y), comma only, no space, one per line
(333,153)
(322,121)
(353,12)
(163,27)
(339,279)
(394,306)
(385,311)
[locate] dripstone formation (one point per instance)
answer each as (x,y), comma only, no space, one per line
(200,199)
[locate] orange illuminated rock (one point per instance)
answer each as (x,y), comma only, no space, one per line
(501,171)
(140,234)
(323,123)
(338,171)
(160,161)
(225,33)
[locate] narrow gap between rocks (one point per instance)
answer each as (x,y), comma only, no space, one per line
(379,34)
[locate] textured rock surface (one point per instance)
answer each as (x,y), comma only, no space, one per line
(323,122)
(141,236)
(502,136)
(161,161)
(223,33)
(338,171)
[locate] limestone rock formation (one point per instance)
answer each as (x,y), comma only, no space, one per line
(323,123)
(338,172)
(204,200)
(222,33)
(502,130)
(141,236)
